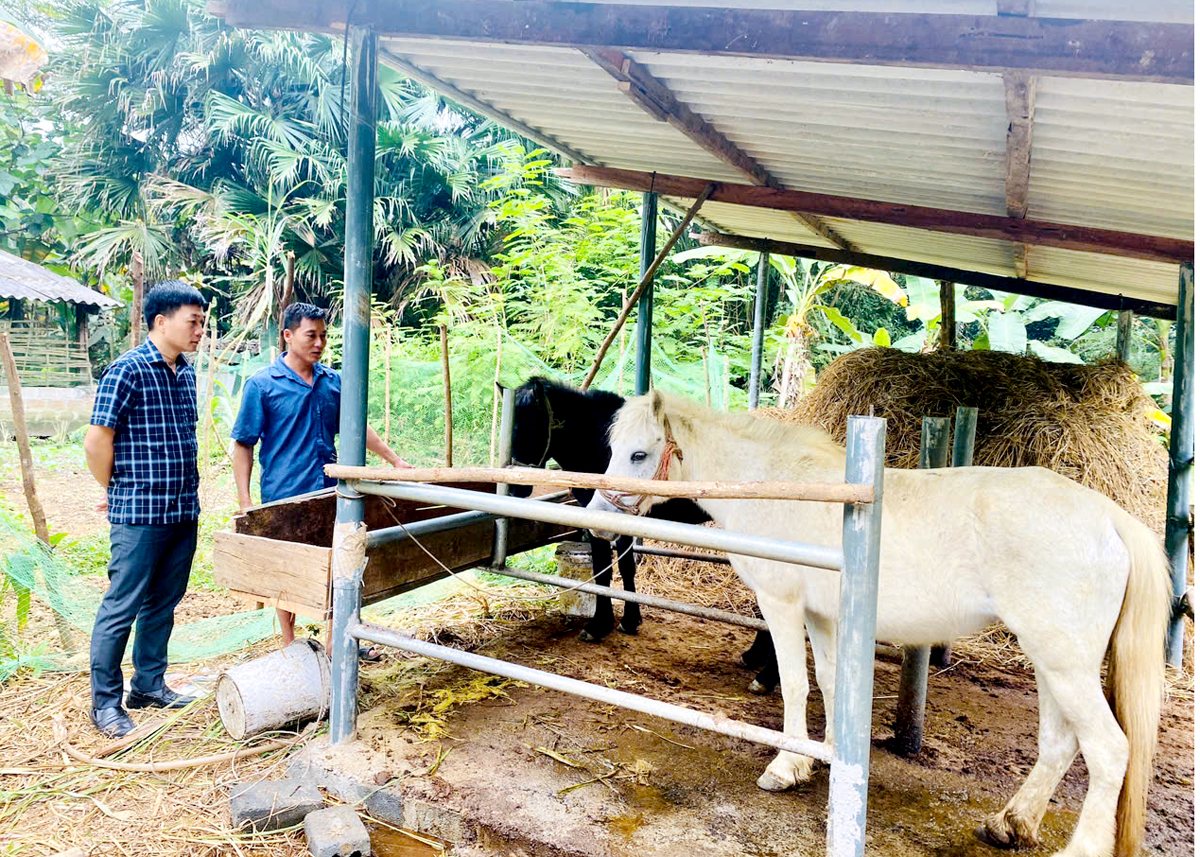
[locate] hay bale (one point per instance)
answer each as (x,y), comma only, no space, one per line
(1088,423)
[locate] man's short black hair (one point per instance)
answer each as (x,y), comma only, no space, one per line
(297,312)
(168,296)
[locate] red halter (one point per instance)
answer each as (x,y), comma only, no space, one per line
(622,499)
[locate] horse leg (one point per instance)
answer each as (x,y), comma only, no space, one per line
(601,623)
(1081,702)
(1017,824)
(631,618)
(823,636)
(760,651)
(768,677)
(787,619)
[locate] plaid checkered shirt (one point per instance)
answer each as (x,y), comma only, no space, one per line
(153,411)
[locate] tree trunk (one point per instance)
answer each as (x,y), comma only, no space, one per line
(947,338)
(137,271)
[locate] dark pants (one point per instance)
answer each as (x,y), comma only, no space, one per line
(148,574)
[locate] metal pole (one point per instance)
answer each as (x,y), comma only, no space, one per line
(855,673)
(1124,334)
(645,318)
(760,320)
(914,669)
(963,456)
(818,556)
(507,412)
(349,539)
(692,555)
(600,693)
(964,437)
(638,598)
(387,535)
(1183,453)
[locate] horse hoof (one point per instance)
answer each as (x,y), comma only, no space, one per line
(630,631)
(985,834)
(586,636)
(769,782)
(759,689)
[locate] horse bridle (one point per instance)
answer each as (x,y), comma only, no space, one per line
(549,437)
(621,499)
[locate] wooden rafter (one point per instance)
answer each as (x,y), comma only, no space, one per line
(1063,236)
(1019,89)
(650,94)
(1067,294)
(1128,50)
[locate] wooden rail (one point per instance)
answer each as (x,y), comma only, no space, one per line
(812,491)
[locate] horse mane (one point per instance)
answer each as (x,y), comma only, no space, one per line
(685,415)
(541,385)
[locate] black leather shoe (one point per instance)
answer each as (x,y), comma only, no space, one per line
(163,698)
(112,722)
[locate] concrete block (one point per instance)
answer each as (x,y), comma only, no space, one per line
(272,804)
(336,832)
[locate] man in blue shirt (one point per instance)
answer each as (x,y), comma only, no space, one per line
(141,446)
(292,407)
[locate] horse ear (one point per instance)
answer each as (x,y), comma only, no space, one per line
(656,404)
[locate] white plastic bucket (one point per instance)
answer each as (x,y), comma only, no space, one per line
(276,690)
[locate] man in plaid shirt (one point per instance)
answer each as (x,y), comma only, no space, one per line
(141,446)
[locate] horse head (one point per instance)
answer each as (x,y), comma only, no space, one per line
(643,447)
(531,429)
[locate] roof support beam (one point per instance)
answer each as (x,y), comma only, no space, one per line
(991,226)
(650,94)
(1067,294)
(1128,50)
(1019,91)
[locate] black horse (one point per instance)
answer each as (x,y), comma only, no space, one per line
(555,421)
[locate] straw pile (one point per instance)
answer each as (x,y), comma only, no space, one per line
(1088,423)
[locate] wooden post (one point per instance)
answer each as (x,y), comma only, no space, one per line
(137,271)
(387,383)
(947,339)
(914,669)
(21,430)
(647,278)
(81,326)
(1124,334)
(449,413)
(209,385)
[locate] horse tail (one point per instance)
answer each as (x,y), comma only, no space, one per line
(1136,672)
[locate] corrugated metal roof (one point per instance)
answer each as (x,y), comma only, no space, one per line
(27,281)
(1105,154)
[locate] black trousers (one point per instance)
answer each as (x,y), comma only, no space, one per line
(148,574)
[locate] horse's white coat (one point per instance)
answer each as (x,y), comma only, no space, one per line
(961,548)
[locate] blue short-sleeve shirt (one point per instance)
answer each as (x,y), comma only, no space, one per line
(296,423)
(152,411)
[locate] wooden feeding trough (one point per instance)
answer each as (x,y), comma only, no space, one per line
(279,553)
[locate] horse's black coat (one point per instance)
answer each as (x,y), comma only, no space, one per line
(554,421)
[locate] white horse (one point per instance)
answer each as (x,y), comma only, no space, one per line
(1068,571)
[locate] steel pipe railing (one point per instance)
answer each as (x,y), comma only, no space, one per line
(599,693)
(817,556)
(386,535)
(636,598)
(677,554)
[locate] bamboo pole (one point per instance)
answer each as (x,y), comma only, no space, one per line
(209,386)
(289,287)
(823,492)
(21,430)
(449,413)
(647,278)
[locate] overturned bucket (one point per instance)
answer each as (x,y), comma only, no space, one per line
(575,562)
(279,689)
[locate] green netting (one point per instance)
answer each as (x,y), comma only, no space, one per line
(48,611)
